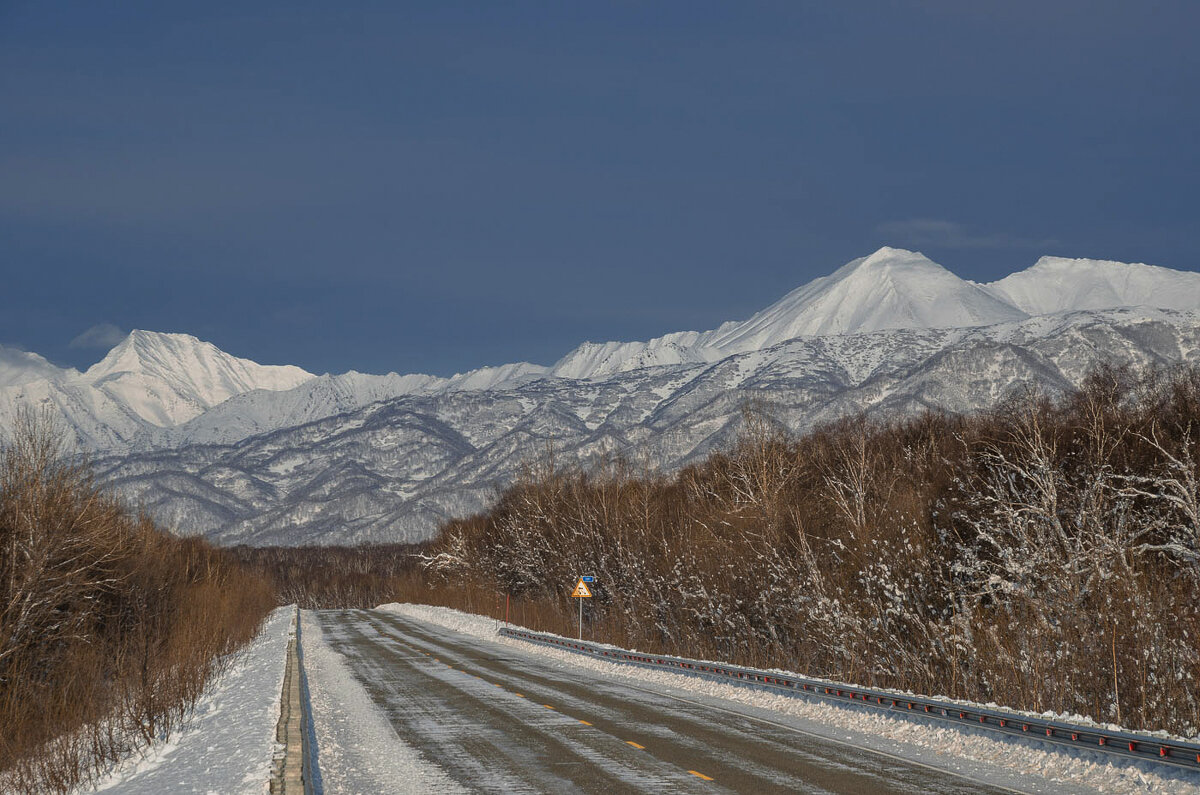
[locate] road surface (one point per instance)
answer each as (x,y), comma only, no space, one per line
(496,720)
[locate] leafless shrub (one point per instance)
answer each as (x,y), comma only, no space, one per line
(109,627)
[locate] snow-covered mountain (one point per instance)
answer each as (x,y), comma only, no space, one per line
(890,289)
(157,390)
(249,453)
(21,367)
(262,411)
(1057,284)
(149,380)
(167,379)
(395,469)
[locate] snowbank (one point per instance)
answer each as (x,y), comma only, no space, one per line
(1058,770)
(226,745)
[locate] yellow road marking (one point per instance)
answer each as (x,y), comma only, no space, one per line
(497,684)
(700,775)
(585,723)
(519,695)
(635,745)
(547,706)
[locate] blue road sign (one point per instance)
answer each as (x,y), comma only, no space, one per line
(588,579)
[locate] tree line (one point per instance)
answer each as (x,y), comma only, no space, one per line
(1044,555)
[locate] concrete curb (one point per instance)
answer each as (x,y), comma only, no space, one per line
(289,775)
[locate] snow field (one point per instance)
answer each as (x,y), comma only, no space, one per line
(226,746)
(998,760)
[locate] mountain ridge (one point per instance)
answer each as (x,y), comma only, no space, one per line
(1056,284)
(395,469)
(159,390)
(250,453)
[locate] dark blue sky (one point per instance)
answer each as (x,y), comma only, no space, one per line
(438,186)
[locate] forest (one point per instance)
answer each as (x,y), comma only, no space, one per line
(1044,555)
(110,626)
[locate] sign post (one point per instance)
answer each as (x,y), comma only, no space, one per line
(581,592)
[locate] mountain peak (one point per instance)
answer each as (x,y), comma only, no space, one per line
(1057,284)
(893,288)
(888,255)
(169,378)
(147,350)
(19,367)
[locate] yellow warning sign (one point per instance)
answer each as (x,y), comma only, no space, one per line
(581,589)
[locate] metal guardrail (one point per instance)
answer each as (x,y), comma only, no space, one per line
(1124,744)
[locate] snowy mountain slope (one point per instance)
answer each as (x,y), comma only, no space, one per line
(263,411)
(895,288)
(495,377)
(592,359)
(1057,284)
(95,419)
(890,289)
(19,367)
(396,469)
(147,381)
(167,379)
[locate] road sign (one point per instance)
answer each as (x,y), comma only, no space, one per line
(581,589)
(588,578)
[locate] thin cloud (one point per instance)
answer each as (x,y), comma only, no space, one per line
(948,234)
(101,335)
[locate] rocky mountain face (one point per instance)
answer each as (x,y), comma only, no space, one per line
(249,454)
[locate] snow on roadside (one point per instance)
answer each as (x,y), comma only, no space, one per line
(357,750)
(227,743)
(1061,769)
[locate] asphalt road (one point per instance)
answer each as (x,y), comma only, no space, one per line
(500,721)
